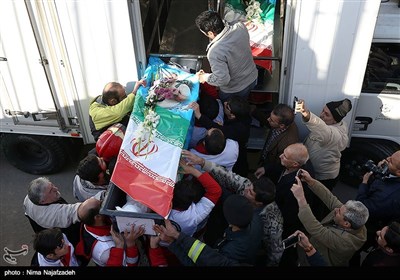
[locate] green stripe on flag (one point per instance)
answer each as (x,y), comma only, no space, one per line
(172,128)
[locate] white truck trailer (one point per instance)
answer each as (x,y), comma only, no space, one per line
(56,56)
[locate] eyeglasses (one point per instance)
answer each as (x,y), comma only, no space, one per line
(203,32)
(227,106)
(61,244)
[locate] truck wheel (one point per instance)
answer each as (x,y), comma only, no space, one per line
(361,150)
(34,154)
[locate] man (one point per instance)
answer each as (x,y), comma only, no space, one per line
(381,195)
(387,253)
(185,246)
(282,132)
(241,239)
(216,148)
(236,127)
(294,157)
(45,208)
(260,193)
(214,110)
(327,138)
(53,249)
(111,107)
(342,232)
(229,53)
(92,176)
(101,243)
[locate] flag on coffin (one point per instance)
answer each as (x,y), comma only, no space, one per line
(147,169)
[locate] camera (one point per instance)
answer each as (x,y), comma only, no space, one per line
(379,171)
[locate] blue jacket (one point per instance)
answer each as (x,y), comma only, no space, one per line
(382,198)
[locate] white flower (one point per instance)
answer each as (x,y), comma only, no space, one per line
(253,11)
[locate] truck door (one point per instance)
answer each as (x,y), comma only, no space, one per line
(33,72)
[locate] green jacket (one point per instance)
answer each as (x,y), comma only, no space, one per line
(104,115)
(335,244)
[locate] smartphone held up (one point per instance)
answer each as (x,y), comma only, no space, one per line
(297,105)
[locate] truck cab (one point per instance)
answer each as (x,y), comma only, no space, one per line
(375,131)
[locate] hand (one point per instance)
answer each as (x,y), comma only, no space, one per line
(133,235)
(167,233)
(118,238)
(142,82)
(185,168)
(201,72)
(154,240)
(298,192)
(192,158)
(304,241)
(384,161)
(306,177)
(259,172)
(366,177)
(201,76)
(303,110)
(196,108)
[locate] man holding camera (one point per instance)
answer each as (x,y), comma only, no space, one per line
(380,193)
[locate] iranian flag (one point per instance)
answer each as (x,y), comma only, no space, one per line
(147,171)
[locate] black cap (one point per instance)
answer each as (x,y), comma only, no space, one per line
(339,109)
(238,210)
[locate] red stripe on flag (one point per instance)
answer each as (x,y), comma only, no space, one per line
(144,185)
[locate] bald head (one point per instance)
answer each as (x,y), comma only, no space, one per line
(394,163)
(88,210)
(113,93)
(298,152)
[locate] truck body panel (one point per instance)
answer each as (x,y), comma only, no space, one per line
(329,52)
(66,52)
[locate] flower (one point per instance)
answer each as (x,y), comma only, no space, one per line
(146,130)
(165,88)
(253,11)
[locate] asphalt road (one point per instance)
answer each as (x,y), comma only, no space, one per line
(16,233)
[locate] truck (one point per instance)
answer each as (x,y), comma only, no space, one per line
(56,56)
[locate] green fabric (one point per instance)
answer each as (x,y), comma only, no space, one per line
(236,4)
(172,128)
(268,11)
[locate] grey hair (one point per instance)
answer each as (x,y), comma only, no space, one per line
(356,213)
(36,189)
(299,153)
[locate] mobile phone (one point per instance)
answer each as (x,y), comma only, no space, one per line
(296,105)
(290,241)
(295,100)
(299,174)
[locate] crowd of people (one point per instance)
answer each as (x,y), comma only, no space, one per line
(227,215)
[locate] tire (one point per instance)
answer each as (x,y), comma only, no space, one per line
(360,151)
(34,154)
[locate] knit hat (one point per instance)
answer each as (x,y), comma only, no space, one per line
(339,109)
(238,210)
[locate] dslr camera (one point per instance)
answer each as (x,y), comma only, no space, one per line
(379,171)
